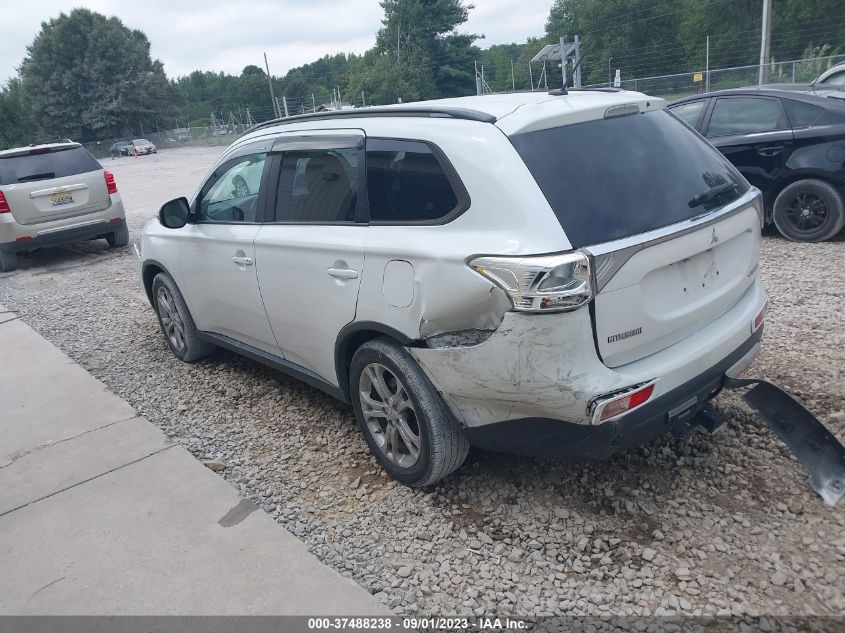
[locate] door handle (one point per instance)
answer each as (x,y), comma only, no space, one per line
(343,273)
(771,150)
(243,261)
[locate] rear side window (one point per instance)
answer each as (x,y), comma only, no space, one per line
(318,186)
(745,115)
(801,114)
(44,165)
(618,177)
(406,182)
(690,113)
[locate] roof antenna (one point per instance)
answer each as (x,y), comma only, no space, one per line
(569,79)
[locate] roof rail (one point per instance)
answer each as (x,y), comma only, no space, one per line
(433,112)
(557,92)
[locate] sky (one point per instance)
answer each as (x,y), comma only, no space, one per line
(224,35)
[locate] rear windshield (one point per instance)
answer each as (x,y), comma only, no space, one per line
(618,177)
(56,163)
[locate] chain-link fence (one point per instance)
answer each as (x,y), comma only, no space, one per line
(168,139)
(670,87)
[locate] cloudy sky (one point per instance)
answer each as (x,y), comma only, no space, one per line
(226,35)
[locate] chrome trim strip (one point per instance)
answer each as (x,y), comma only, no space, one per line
(66,227)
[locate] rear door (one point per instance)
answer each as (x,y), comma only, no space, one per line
(631,198)
(310,255)
(46,184)
(754,134)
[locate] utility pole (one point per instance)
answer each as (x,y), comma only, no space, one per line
(707,66)
(577,61)
(609,72)
(478,86)
(313,102)
(398,28)
(513,81)
(285,103)
(563,59)
(270,83)
(530,77)
(363,100)
(765,40)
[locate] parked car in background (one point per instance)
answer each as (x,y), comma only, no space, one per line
(121,148)
(53,194)
(586,289)
(141,146)
(788,143)
(832,77)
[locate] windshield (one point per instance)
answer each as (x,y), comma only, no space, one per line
(622,176)
(46,164)
(141,141)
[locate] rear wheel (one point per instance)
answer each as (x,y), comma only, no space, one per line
(809,211)
(405,422)
(8,261)
(176,322)
(118,238)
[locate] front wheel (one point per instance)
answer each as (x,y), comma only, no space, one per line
(405,422)
(809,211)
(176,323)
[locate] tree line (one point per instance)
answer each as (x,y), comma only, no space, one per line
(89,77)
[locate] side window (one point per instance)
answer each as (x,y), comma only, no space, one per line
(837,79)
(745,115)
(318,186)
(233,196)
(690,113)
(801,114)
(406,182)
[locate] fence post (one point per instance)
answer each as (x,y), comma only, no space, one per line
(793,71)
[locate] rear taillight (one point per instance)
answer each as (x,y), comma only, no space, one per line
(611,407)
(4,206)
(540,283)
(111,185)
(758,320)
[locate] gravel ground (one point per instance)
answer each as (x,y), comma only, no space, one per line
(709,524)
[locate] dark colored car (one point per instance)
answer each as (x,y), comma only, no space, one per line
(788,143)
(121,148)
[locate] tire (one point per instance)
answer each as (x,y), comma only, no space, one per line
(8,261)
(441,442)
(176,322)
(809,211)
(118,238)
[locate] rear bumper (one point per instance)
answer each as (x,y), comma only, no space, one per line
(76,233)
(675,410)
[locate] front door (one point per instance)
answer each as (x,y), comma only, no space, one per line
(218,254)
(310,252)
(754,134)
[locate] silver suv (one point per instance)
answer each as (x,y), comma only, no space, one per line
(562,275)
(53,194)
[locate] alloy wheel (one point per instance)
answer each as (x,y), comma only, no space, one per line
(171,320)
(807,212)
(390,415)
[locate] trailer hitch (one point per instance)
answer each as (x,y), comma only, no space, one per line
(810,441)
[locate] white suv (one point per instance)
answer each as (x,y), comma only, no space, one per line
(53,194)
(545,274)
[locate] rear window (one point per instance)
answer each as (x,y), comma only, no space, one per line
(618,177)
(56,163)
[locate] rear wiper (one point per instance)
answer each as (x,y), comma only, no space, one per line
(711,193)
(45,175)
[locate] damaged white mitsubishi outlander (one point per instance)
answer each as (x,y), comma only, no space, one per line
(562,275)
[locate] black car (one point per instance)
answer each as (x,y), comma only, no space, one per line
(788,143)
(121,148)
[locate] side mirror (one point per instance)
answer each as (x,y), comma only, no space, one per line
(174,214)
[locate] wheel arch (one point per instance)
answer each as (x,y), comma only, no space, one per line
(354,335)
(150,269)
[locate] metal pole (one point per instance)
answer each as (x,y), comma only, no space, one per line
(513,81)
(285,103)
(270,83)
(563,59)
(765,39)
(313,102)
(478,87)
(530,76)
(609,72)
(363,100)
(707,67)
(577,61)
(793,72)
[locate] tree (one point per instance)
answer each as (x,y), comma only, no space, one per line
(17,127)
(89,77)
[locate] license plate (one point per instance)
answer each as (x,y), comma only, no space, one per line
(59,199)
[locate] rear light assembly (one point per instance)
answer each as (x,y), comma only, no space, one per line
(111,184)
(4,205)
(608,408)
(759,319)
(540,283)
